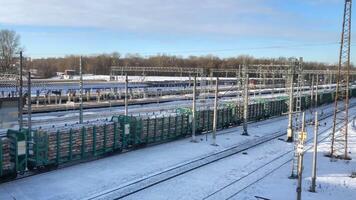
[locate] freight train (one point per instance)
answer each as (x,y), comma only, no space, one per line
(47,148)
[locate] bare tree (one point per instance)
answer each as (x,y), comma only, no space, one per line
(100,64)
(9,46)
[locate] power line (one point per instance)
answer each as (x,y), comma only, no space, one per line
(197,51)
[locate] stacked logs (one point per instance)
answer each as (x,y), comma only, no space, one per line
(77,141)
(161,128)
(208,120)
(148,127)
(6,157)
(164,127)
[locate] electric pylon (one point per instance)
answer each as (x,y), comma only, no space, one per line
(340,123)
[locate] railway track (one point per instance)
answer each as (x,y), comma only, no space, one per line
(225,131)
(93,115)
(105,113)
(136,186)
(229,191)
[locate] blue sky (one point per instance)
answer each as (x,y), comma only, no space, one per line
(226,28)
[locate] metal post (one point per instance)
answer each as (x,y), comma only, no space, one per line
(245,100)
(312,92)
(246,95)
(194,109)
(290,112)
(312,188)
(273,82)
(259,82)
(300,150)
(238,84)
(20,94)
(81,91)
(215,111)
(29,103)
(126,93)
(300,172)
(316,91)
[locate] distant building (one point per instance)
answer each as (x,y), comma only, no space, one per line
(67,74)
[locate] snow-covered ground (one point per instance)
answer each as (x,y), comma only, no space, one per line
(235,177)
(88,179)
(333,177)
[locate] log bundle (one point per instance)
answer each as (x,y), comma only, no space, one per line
(164,127)
(6,156)
(79,141)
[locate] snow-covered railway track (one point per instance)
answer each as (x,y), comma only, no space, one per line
(231,190)
(151,180)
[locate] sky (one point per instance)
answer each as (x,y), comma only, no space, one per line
(226,28)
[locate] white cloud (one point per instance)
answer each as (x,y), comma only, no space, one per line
(220,17)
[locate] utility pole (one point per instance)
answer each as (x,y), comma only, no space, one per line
(20,93)
(316,124)
(312,92)
(331,79)
(238,85)
(290,105)
(299,123)
(126,95)
(215,111)
(300,151)
(316,91)
(81,91)
(273,82)
(238,92)
(245,101)
(29,103)
(194,109)
(259,82)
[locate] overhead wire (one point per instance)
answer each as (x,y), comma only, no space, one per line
(148,53)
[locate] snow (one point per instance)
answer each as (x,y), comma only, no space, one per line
(334,181)
(87,179)
(112,171)
(333,177)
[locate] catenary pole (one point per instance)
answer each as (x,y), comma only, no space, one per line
(126,95)
(20,93)
(245,104)
(81,90)
(194,109)
(300,150)
(29,104)
(315,152)
(215,111)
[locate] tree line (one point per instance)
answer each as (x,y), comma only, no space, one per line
(101,64)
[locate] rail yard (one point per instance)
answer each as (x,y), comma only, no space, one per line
(198,100)
(108,131)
